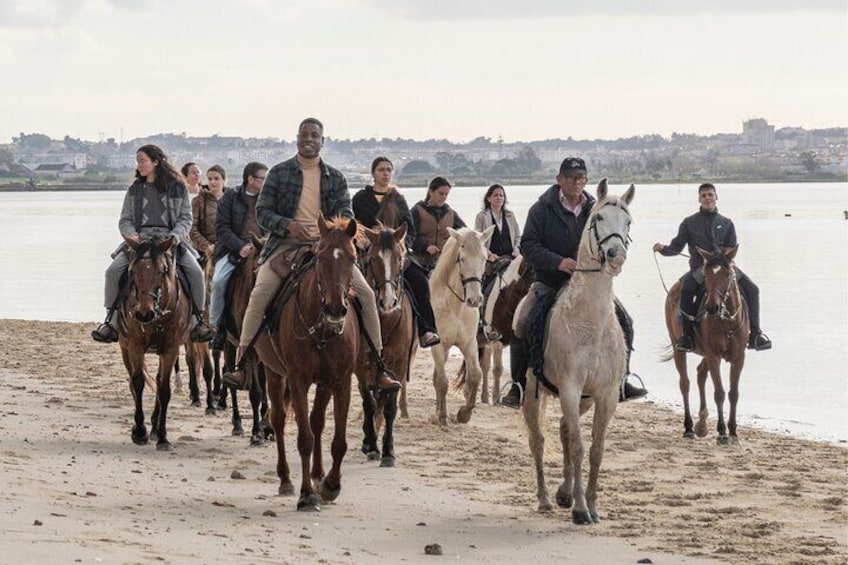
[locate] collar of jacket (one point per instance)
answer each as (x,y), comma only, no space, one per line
(294,165)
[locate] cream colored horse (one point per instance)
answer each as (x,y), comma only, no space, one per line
(585,357)
(456,294)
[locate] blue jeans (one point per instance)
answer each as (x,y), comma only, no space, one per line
(220,278)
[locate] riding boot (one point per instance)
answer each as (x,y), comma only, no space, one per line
(687,341)
(238,377)
(518,369)
(107,332)
(491,335)
(383,380)
(200,332)
(220,339)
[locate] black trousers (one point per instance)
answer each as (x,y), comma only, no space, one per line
(416,279)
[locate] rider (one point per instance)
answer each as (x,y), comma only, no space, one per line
(296,192)
(431,218)
(156,204)
(366,207)
(710,231)
(551,238)
(235,221)
(204,209)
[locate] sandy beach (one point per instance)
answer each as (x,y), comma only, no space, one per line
(76,490)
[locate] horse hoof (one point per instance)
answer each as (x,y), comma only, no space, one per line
(734,440)
(238,430)
(139,436)
(195,404)
(257,440)
(689,435)
(164,446)
(286,489)
(373,455)
(701,431)
(564,500)
(463,415)
(545,507)
(308,503)
(328,494)
(387,461)
(722,440)
(210,411)
(595,518)
(581,518)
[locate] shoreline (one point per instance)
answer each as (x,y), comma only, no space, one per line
(772,499)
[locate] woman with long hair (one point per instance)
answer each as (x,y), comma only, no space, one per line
(156,205)
(191,173)
(432,218)
(204,211)
(507,235)
(372,204)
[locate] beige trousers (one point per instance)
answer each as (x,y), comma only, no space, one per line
(268,282)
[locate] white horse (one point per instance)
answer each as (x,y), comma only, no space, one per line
(585,356)
(456,294)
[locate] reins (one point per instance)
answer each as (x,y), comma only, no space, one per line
(659,271)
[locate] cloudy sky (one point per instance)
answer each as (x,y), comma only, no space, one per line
(455,69)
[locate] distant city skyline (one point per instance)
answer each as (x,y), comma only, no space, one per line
(418,69)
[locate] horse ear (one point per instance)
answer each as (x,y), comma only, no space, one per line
(602,189)
(487,234)
(350,230)
(453,233)
(628,196)
(400,233)
(372,235)
(730,252)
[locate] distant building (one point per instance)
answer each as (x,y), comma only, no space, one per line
(759,133)
(57,171)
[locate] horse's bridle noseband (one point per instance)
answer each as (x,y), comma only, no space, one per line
(600,256)
(159,312)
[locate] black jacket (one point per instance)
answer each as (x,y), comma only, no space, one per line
(552,233)
(366,208)
(232,216)
(708,230)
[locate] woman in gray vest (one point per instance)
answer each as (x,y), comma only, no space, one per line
(156,204)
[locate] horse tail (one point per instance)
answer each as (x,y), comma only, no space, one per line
(459,379)
(667,353)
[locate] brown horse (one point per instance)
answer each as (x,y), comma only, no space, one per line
(384,272)
(238,295)
(499,305)
(315,340)
(155,316)
(722,333)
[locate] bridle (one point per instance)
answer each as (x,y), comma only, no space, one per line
(724,295)
(598,254)
(160,313)
(464,280)
(322,319)
(395,283)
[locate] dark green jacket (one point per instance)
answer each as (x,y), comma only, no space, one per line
(278,200)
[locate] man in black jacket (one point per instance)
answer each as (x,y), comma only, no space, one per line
(549,242)
(710,231)
(235,221)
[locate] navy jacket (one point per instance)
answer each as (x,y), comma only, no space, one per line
(552,233)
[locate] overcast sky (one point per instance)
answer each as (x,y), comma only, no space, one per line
(455,69)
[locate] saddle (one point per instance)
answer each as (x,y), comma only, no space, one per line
(302,260)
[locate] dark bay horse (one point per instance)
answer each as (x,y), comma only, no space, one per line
(154,317)
(315,340)
(238,295)
(722,333)
(384,272)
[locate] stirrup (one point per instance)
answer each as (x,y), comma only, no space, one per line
(520,394)
(623,397)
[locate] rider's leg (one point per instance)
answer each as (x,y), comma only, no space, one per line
(758,340)
(383,379)
(217,302)
(688,308)
(197,285)
(267,283)
(416,278)
(628,391)
(518,361)
(107,332)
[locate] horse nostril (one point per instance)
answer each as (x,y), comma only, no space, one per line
(144,317)
(611,253)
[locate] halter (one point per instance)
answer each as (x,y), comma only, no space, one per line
(599,256)
(396,283)
(321,320)
(464,281)
(723,311)
(159,312)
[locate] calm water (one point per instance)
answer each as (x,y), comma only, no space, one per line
(55,246)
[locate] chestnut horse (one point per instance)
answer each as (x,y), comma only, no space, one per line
(154,316)
(237,297)
(315,340)
(384,272)
(722,333)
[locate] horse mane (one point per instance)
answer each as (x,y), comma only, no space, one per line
(718,259)
(389,214)
(386,240)
(447,259)
(338,224)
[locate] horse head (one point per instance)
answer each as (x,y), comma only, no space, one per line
(335,255)
(384,265)
(469,248)
(152,272)
(609,225)
(720,282)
